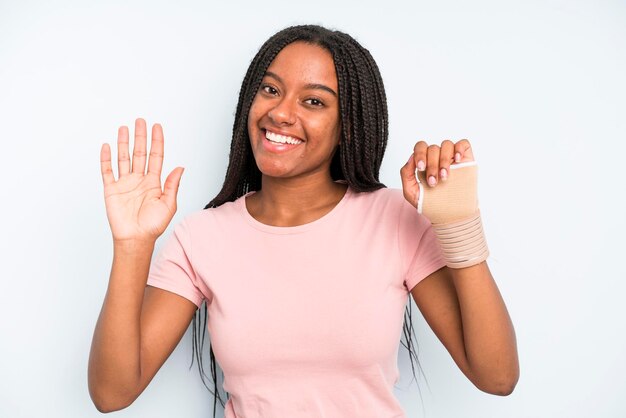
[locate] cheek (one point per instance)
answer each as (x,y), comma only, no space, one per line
(251,118)
(333,131)
(254,113)
(326,127)
(334,126)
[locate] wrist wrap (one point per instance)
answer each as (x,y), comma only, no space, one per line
(452,208)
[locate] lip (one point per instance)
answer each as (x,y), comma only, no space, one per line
(278,148)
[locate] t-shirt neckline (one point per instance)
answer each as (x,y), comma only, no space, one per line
(243,210)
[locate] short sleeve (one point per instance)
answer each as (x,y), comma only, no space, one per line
(419,248)
(172,268)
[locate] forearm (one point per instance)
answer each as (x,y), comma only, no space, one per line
(488,333)
(115,358)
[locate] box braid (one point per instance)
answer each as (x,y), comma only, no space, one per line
(362,105)
(364,133)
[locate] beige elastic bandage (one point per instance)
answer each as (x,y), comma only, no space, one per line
(452,208)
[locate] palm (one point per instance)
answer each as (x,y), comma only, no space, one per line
(137,208)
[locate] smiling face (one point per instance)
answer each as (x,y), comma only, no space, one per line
(293,122)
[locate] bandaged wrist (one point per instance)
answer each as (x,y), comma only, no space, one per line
(452,208)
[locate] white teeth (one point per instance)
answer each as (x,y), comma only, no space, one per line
(282,139)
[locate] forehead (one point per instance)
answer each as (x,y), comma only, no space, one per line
(304,63)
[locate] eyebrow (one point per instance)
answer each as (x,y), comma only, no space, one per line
(315,86)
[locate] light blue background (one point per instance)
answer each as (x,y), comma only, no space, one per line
(538,87)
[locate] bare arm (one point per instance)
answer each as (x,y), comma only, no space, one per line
(138,326)
(463,306)
(465,310)
(137,330)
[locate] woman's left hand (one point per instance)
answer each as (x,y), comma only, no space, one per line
(436,161)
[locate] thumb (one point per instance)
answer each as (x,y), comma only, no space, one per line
(170,188)
(410,186)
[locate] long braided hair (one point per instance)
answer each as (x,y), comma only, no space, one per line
(364,133)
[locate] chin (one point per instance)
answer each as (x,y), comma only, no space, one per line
(272,169)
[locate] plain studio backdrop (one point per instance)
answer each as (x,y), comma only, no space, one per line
(538,88)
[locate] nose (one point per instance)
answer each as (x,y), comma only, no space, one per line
(283,113)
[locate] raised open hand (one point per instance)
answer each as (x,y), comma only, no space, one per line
(137,208)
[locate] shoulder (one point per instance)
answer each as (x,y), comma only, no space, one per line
(380,195)
(201,219)
(384,206)
(384,199)
(391,203)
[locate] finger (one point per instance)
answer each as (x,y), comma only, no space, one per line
(419,150)
(410,185)
(105,165)
(155,162)
(446,156)
(139,148)
(432,165)
(170,188)
(463,151)
(123,159)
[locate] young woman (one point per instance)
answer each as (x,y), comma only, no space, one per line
(304,259)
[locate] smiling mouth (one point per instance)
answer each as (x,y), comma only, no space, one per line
(281,139)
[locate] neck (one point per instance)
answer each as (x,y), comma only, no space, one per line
(298,195)
(287,202)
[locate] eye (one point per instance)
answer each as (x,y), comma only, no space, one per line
(269,89)
(314,102)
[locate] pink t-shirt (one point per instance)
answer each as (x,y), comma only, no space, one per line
(305,321)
